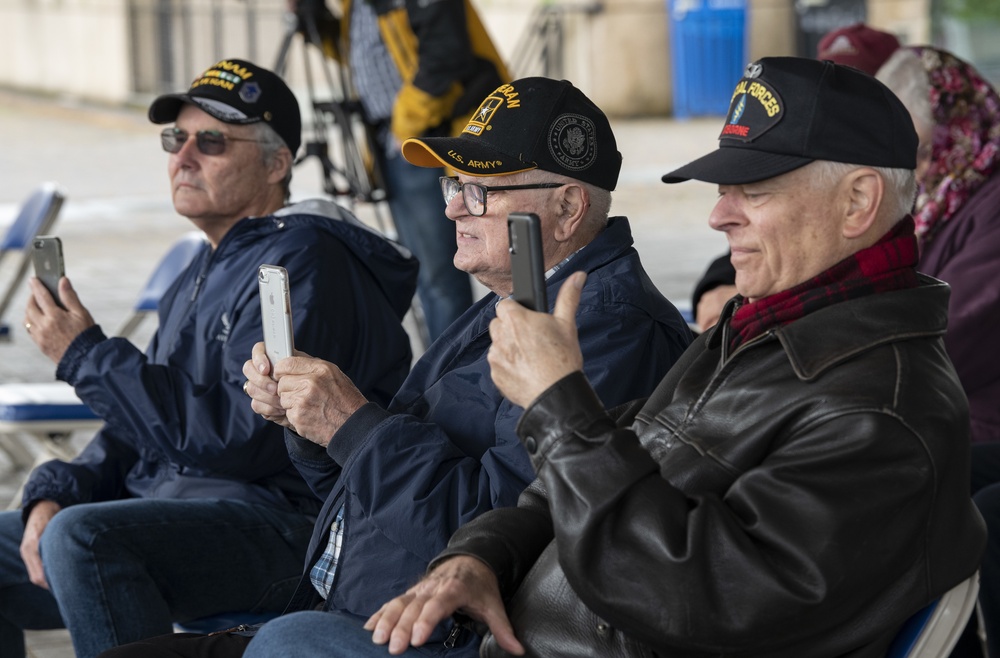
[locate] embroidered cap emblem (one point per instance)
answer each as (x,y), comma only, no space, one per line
(572,141)
(250,92)
(481,119)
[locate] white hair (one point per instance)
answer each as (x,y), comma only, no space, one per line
(600,199)
(270,142)
(900,185)
(905,76)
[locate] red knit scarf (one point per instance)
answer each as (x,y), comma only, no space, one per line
(887,265)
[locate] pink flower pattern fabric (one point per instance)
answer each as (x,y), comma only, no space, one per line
(965,146)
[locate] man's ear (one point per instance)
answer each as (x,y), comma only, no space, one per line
(573,202)
(865,191)
(281,164)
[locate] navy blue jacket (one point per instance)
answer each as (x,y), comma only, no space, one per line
(178,424)
(445,450)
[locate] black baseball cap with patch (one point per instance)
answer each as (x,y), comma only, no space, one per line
(789,111)
(237,91)
(532,123)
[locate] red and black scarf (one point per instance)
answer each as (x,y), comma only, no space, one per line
(889,264)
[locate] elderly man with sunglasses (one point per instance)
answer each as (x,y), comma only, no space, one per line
(185,504)
(398,480)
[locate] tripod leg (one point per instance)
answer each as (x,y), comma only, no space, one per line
(291,27)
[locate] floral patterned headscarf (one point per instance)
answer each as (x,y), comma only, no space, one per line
(966,143)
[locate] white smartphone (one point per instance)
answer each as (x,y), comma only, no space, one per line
(275,311)
(47,255)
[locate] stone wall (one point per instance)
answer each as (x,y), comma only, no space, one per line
(617,51)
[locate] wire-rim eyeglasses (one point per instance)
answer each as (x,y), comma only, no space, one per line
(209,142)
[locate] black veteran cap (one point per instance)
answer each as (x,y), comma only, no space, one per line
(236,91)
(532,123)
(788,111)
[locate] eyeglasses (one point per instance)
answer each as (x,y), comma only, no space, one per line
(210,142)
(474,194)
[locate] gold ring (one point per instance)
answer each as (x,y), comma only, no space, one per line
(245,384)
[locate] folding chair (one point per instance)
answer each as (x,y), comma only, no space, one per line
(179,257)
(37,215)
(50,412)
(933,631)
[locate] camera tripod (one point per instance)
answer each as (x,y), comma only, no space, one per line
(334,122)
(351,170)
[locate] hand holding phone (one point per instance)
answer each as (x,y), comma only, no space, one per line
(47,255)
(275,312)
(527,264)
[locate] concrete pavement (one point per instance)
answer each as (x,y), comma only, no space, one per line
(118,220)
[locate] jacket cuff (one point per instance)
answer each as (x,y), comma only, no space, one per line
(303,450)
(77,351)
(353,433)
(566,407)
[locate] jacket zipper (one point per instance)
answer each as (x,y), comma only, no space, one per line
(452,639)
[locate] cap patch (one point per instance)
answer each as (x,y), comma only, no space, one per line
(250,93)
(572,141)
(225,74)
(755,108)
(480,121)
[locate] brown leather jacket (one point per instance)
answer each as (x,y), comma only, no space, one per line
(800,497)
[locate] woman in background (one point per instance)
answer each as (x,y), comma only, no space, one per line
(957,116)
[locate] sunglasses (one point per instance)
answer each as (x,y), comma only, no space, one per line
(209,142)
(474,194)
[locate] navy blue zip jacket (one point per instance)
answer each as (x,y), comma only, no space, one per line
(445,450)
(178,424)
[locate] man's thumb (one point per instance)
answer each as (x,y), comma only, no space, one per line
(568,298)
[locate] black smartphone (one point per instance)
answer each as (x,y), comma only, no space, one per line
(275,311)
(527,266)
(47,255)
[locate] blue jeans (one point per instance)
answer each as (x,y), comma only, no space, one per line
(417,208)
(337,635)
(120,571)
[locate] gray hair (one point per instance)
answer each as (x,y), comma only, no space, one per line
(900,185)
(905,75)
(269,143)
(596,218)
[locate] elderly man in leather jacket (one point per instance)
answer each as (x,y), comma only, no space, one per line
(798,483)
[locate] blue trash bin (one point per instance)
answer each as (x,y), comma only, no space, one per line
(708,52)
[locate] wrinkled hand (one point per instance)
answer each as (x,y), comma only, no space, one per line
(710,306)
(38,519)
(460,583)
(532,351)
(51,327)
(263,390)
(314,397)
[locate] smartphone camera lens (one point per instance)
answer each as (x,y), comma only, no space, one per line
(262,276)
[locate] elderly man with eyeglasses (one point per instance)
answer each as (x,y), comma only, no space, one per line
(185,504)
(398,480)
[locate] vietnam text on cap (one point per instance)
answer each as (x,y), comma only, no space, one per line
(240,92)
(532,123)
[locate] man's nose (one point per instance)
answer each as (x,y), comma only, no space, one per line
(454,208)
(724,215)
